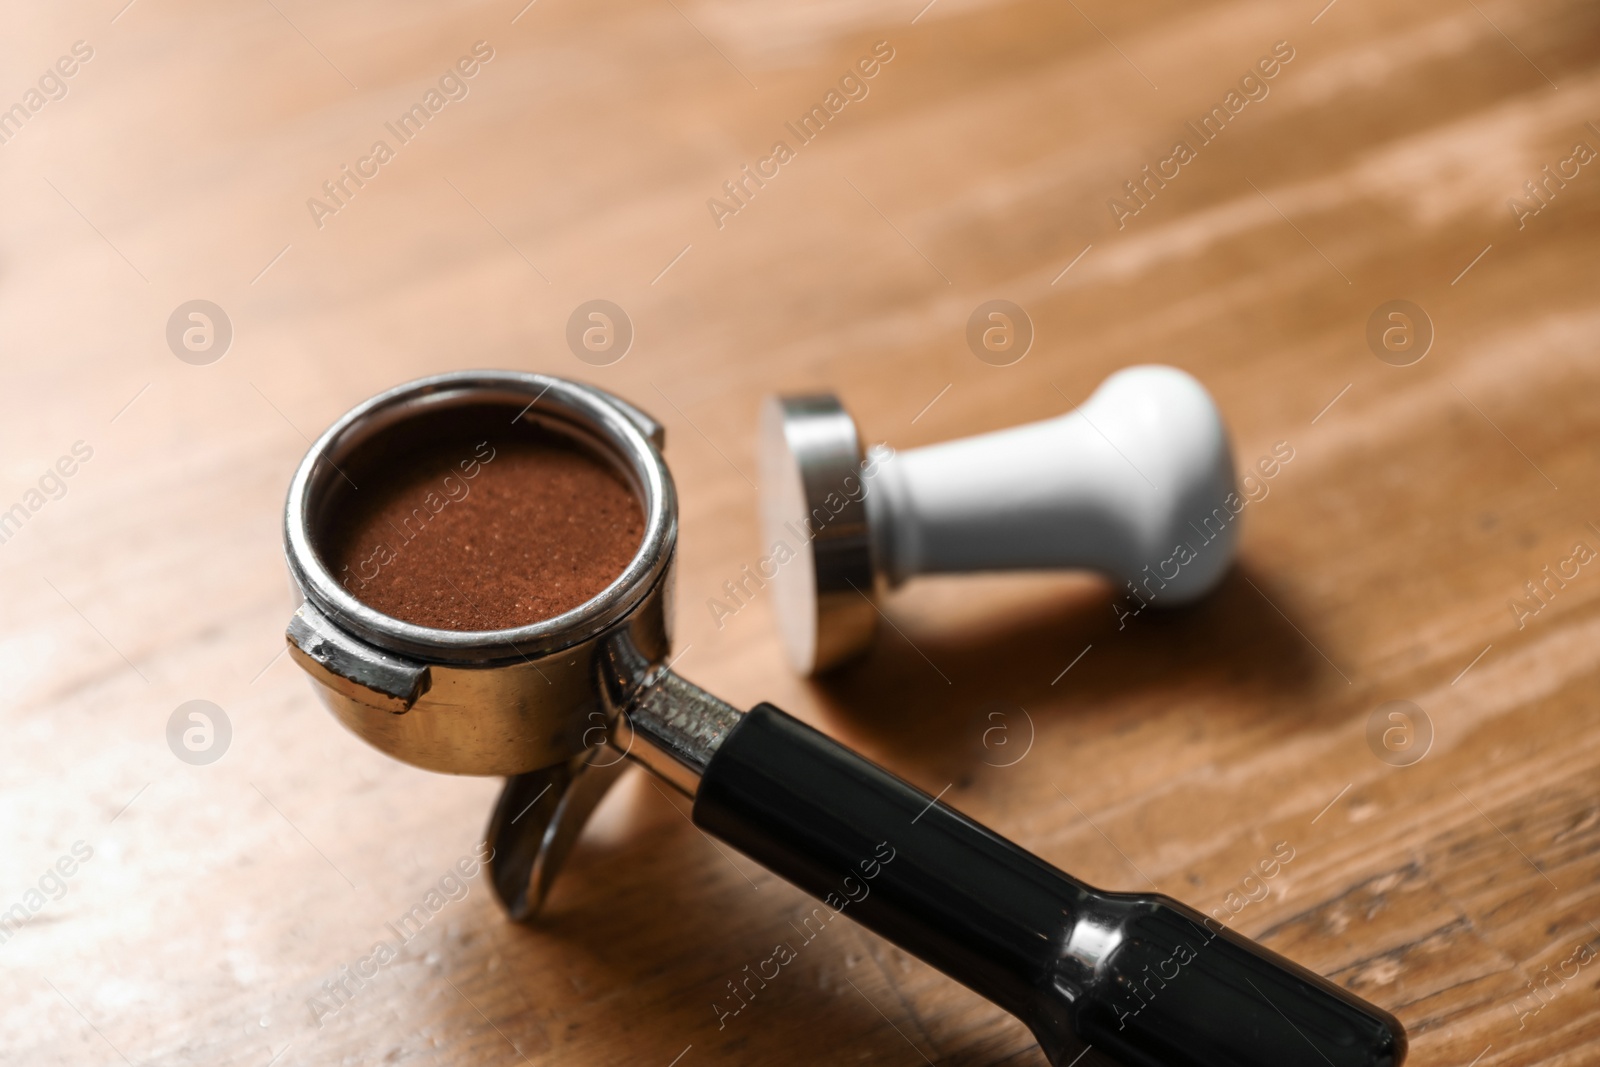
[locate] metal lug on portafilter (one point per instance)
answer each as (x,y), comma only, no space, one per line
(538,819)
(652,717)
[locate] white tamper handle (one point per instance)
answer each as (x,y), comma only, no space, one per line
(1131,484)
(1136,483)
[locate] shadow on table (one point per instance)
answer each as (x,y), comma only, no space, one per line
(929,702)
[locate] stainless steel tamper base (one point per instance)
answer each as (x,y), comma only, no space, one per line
(812,503)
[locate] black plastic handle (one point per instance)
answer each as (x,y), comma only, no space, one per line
(1142,979)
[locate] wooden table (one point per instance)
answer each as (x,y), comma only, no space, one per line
(1384,563)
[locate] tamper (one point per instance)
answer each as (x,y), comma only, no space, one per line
(560,705)
(1133,484)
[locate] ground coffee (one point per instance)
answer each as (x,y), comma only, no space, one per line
(484,534)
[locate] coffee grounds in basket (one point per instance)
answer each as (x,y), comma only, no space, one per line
(486,536)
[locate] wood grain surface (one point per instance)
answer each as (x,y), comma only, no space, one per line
(1385,562)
